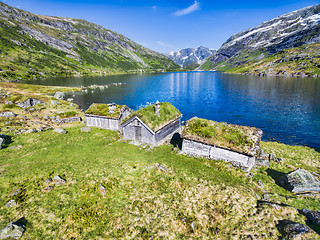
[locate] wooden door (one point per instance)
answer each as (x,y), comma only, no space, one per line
(137,133)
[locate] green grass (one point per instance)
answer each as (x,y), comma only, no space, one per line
(238,138)
(148,116)
(103,110)
(141,201)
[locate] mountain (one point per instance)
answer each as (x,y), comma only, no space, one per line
(189,56)
(250,47)
(35,46)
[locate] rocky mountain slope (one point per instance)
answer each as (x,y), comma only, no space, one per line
(290,30)
(34,46)
(188,56)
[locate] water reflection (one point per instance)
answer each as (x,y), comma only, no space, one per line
(286,109)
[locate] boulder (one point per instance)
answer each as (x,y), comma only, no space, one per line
(86,129)
(12,231)
(262,162)
(59,95)
(60,130)
(291,230)
(300,181)
(11,203)
(54,103)
(57,180)
(8,114)
(312,216)
(102,190)
(2,141)
(30,102)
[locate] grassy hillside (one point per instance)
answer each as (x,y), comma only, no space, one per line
(141,200)
(300,61)
(34,46)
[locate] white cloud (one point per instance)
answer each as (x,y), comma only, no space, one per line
(164,44)
(194,7)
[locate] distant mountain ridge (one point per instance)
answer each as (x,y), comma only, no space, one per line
(188,56)
(34,46)
(290,30)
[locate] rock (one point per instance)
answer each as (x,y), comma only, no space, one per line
(102,190)
(262,154)
(162,168)
(272,157)
(300,181)
(70,120)
(30,102)
(86,129)
(60,130)
(14,192)
(54,103)
(11,203)
(48,181)
(266,197)
(260,183)
(312,216)
(48,189)
(57,180)
(2,141)
(291,230)
(13,230)
(192,226)
(70,99)
(262,162)
(31,131)
(59,95)
(8,114)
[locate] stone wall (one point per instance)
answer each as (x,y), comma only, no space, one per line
(103,122)
(198,149)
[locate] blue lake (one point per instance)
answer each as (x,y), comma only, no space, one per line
(286,109)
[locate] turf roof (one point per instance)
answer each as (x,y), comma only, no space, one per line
(167,113)
(101,109)
(237,138)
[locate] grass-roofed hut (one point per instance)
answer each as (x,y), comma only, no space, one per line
(221,141)
(153,124)
(107,116)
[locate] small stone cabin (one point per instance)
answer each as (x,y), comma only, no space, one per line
(106,116)
(153,125)
(238,145)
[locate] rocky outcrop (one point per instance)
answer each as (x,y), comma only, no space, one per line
(286,31)
(12,231)
(30,102)
(291,230)
(300,181)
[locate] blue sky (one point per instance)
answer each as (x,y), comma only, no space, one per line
(164,25)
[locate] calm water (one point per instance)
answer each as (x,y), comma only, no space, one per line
(286,109)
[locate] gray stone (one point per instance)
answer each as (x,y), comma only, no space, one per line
(262,154)
(85,129)
(30,102)
(272,157)
(11,203)
(291,230)
(102,190)
(260,183)
(59,95)
(57,180)
(70,99)
(70,120)
(13,230)
(162,168)
(8,114)
(48,181)
(262,162)
(54,103)
(2,142)
(266,197)
(300,181)
(31,131)
(60,130)
(312,216)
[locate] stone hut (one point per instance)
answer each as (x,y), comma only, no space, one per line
(153,124)
(238,145)
(106,116)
